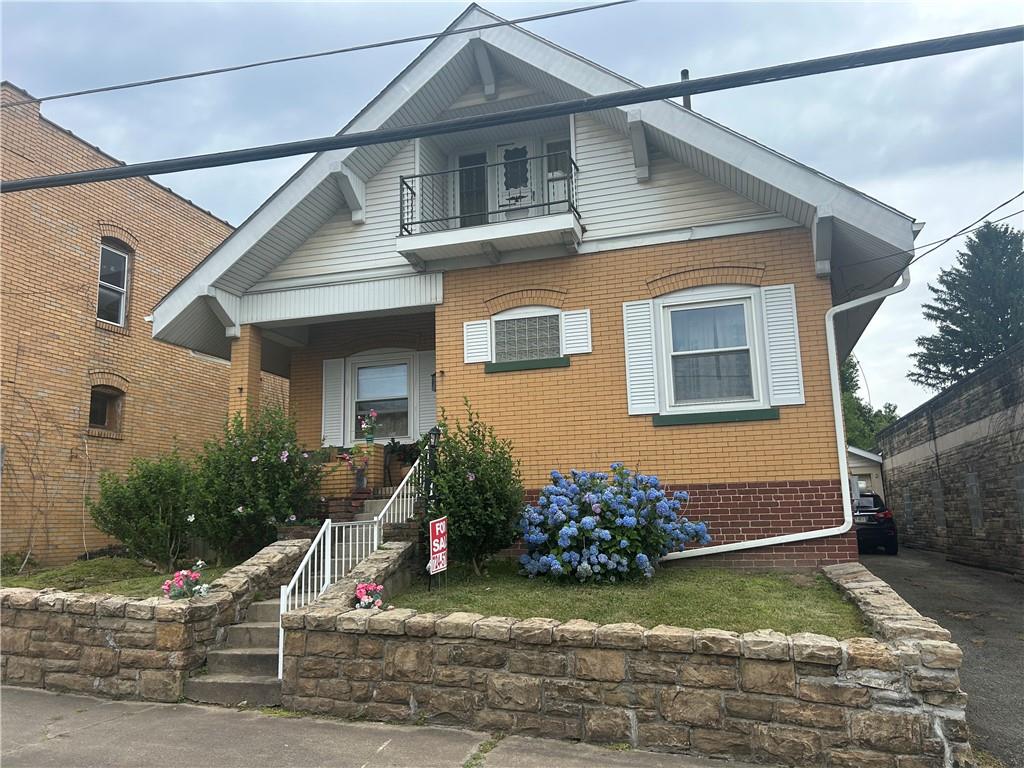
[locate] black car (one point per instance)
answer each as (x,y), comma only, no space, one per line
(874,525)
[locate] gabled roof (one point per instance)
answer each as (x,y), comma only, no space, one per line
(860,237)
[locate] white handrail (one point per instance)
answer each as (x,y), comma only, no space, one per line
(338,547)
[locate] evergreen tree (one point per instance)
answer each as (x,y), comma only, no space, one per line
(863,423)
(978,306)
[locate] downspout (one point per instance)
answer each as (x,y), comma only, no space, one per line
(837,414)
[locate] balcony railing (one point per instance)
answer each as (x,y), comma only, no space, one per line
(489,193)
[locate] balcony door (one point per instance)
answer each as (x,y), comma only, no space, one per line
(516,187)
(472,193)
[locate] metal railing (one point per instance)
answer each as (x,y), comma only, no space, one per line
(489,193)
(339,547)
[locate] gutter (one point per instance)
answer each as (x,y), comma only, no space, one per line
(837,413)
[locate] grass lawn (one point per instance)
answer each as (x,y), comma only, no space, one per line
(116,575)
(681,596)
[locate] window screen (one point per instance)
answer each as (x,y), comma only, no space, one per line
(526,338)
(710,354)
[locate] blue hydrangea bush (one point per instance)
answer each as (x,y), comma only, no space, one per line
(598,526)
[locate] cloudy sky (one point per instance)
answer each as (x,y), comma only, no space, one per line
(939,138)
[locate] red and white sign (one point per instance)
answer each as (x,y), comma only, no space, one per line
(438,546)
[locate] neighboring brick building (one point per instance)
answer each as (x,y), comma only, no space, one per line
(82,394)
(635,285)
(954,468)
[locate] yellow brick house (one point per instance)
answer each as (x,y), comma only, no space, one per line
(639,285)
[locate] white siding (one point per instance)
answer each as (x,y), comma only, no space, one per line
(340,247)
(613,203)
(432,190)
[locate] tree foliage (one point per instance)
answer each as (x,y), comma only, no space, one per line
(977,306)
(863,423)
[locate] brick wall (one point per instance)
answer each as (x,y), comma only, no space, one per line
(954,468)
(54,349)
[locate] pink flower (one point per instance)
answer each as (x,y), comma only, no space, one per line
(377,603)
(373,414)
(194,576)
(284,455)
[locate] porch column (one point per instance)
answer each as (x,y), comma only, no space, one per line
(244,381)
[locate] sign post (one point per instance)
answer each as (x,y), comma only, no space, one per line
(438,546)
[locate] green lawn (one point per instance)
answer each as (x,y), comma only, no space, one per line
(680,596)
(116,575)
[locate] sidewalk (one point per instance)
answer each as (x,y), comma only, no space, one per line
(47,729)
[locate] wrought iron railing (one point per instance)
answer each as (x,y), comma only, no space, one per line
(489,193)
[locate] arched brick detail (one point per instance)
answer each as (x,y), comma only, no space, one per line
(117,232)
(547,297)
(721,274)
(108,379)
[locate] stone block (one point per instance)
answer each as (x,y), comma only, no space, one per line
(70,681)
(454,677)
(600,665)
(888,731)
(339,690)
(14,640)
(662,736)
(764,644)
(390,622)
(546,663)
(628,636)
(294,643)
(816,649)
(140,609)
(60,627)
(940,655)
(631,696)
(497,628)
(98,662)
(702,671)
(422,624)
(792,746)
(117,688)
(51,602)
(359,669)
(160,685)
(81,604)
(451,706)
(859,758)
(759,676)
(54,650)
(868,653)
(716,641)
(810,714)
(535,631)
(139,658)
(651,668)
(369,647)
(392,693)
(715,742)
(548,727)
(924,679)
(749,707)
(691,706)
(20,598)
(476,655)
(172,636)
(669,639)
(577,632)
(408,661)
(23,671)
(829,691)
(328,643)
(572,691)
(606,724)
(186,660)
(317,666)
(353,622)
(458,624)
(517,692)
(164,610)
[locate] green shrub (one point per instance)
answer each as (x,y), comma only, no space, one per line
(255,477)
(13,563)
(149,508)
(477,485)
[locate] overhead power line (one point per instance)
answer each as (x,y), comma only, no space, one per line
(775,73)
(316,55)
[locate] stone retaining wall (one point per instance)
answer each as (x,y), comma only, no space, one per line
(804,699)
(125,647)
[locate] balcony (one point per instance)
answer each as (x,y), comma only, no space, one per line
(489,209)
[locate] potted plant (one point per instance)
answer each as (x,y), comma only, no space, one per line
(368,424)
(359,459)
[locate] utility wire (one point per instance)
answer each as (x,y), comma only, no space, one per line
(775,73)
(318,54)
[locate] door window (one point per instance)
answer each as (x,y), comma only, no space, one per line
(473,189)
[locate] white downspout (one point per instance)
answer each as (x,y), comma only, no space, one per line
(837,414)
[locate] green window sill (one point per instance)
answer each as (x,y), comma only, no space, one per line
(715,417)
(527,365)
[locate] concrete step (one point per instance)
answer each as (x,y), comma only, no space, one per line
(243,661)
(265,610)
(230,690)
(371,508)
(253,634)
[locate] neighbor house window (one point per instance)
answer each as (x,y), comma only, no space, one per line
(105,408)
(527,333)
(111,306)
(711,354)
(383,387)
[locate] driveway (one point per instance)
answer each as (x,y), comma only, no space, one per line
(984,611)
(42,729)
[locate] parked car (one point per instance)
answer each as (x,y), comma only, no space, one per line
(874,524)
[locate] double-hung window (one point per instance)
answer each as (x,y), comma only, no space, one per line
(383,386)
(112,302)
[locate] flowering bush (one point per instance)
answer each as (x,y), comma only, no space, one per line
(369,595)
(186,583)
(357,457)
(596,526)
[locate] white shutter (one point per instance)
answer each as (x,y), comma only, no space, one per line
(641,368)
(334,402)
(476,341)
(426,414)
(576,332)
(782,342)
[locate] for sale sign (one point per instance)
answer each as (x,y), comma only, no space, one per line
(438,546)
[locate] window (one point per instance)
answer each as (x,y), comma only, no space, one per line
(383,386)
(113,285)
(527,333)
(105,408)
(710,356)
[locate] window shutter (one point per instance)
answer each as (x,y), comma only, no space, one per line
(426,415)
(641,370)
(476,341)
(334,402)
(576,332)
(782,342)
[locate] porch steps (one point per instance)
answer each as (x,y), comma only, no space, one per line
(244,670)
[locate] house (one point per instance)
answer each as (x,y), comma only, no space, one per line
(640,285)
(865,470)
(954,467)
(85,387)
